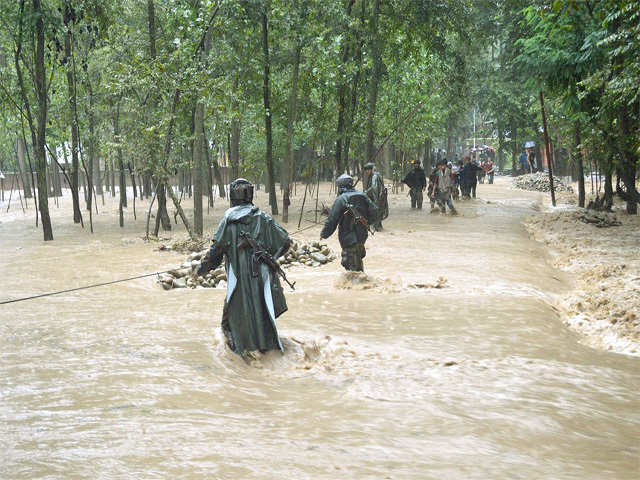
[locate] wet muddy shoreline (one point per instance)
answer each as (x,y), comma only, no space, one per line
(604,304)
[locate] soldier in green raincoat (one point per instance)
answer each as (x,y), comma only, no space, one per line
(373,186)
(254,295)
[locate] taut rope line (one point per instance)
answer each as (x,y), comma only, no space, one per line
(111,282)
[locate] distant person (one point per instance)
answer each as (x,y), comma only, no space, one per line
(351,213)
(254,295)
(491,170)
(524,162)
(417,182)
(444,185)
(470,178)
(373,186)
(482,172)
(432,187)
(459,174)
(455,181)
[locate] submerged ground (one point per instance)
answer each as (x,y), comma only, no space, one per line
(480,379)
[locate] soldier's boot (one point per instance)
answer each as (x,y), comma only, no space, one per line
(352,259)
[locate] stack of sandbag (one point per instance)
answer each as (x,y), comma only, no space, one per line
(312,254)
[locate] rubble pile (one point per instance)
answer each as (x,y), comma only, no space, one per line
(599,219)
(313,254)
(539,182)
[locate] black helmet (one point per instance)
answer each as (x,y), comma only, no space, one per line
(344,183)
(240,191)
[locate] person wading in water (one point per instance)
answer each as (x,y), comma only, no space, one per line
(417,182)
(352,214)
(373,186)
(250,240)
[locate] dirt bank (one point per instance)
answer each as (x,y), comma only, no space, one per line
(604,306)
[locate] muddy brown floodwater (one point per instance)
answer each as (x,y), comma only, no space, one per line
(479,379)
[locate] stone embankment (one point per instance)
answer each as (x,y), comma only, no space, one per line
(313,254)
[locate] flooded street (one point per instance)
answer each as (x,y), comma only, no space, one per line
(479,379)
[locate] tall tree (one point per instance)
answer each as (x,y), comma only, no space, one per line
(374,81)
(267,109)
(39,146)
(69,19)
(199,157)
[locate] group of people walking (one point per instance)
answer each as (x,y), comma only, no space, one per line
(447,182)
(250,241)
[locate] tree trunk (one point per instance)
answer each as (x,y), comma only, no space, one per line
(113,178)
(547,149)
(580,163)
(132,174)
(608,187)
(353,109)
(57,183)
(75,164)
(22,167)
(515,151)
(208,175)
(176,203)
(94,164)
(198,143)
(376,55)
(235,136)
(122,180)
(342,92)
(181,180)
(428,160)
(267,114)
(146,185)
(39,148)
(107,175)
(289,161)
(218,174)
(500,147)
(629,161)
(151,18)
(162,216)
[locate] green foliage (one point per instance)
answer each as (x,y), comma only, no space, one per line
(491,56)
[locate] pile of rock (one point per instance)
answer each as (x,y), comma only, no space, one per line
(599,219)
(312,254)
(539,182)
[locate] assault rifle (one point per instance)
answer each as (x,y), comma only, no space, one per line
(260,255)
(359,218)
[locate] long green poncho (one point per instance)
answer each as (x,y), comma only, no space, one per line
(253,302)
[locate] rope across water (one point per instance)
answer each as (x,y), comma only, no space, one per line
(48,294)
